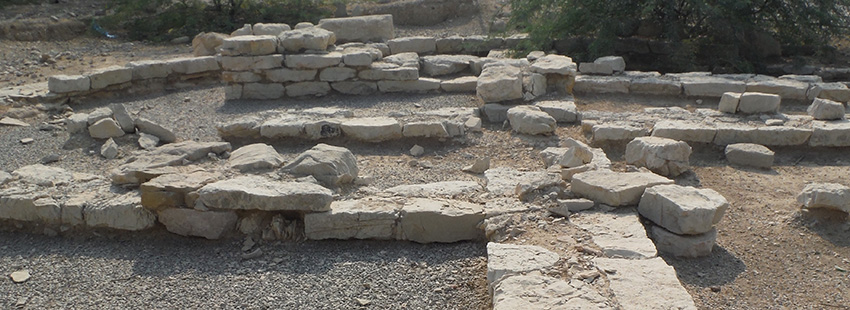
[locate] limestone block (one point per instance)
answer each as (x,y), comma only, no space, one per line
(449,45)
(619,234)
(461,84)
(827,110)
(510,259)
(554,64)
(245,30)
(260,193)
(312,38)
(149,69)
(249,63)
(785,88)
(683,210)
(419,45)
(336,74)
(371,28)
(602,84)
(425,129)
(367,218)
(534,84)
(257,156)
(192,150)
(445,189)
(535,291)
(833,91)
(781,135)
(825,195)
(372,129)
(29,207)
(481,44)
(61,84)
(445,64)
(749,154)
(754,103)
(240,77)
(193,65)
(431,220)
(263,91)
(415,86)
(355,87)
(233,92)
(531,120)
(684,245)
(831,133)
(684,131)
(188,222)
(146,168)
(313,61)
(707,86)
(495,113)
(124,212)
(99,114)
(271,29)
(254,45)
(618,132)
(290,75)
(729,133)
(729,102)
(207,43)
(664,156)
(114,75)
(170,190)
(645,284)
(308,89)
(384,71)
(327,128)
(617,63)
(150,127)
(331,165)
(119,112)
(77,122)
(590,68)
(499,83)
(406,59)
(43,175)
(105,128)
(615,188)
(282,127)
(655,86)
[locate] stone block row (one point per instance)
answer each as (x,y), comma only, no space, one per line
(116,77)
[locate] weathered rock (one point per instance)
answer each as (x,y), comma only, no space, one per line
(207,43)
(28,207)
(645,284)
(313,38)
(509,259)
(753,103)
(825,195)
(447,189)
(257,156)
(575,155)
(367,218)
(372,129)
(664,156)
(404,60)
(150,127)
(420,85)
(77,122)
(99,114)
(428,220)
(785,88)
(9,121)
(505,181)
(615,188)
(461,84)
(531,120)
(109,149)
(618,131)
(326,128)
(282,127)
(114,75)
(684,245)
(417,151)
(595,68)
(308,89)
(620,235)
(5,177)
(144,168)
(602,84)
(445,64)
(499,83)
(825,109)
(336,74)
(749,154)
(419,45)
(124,212)
(329,164)
(43,175)
(189,222)
(380,71)
(245,30)
(479,166)
(535,291)
(685,131)
(360,56)
(105,129)
(61,84)
(708,86)
(374,28)
(832,133)
(170,190)
(355,87)
(193,150)
(260,193)
(554,64)
(568,206)
(263,91)
(119,112)
(432,129)
(193,65)
(729,102)
(562,111)
(615,62)
(249,63)
(683,210)
(271,29)
(253,45)
(290,75)
(655,86)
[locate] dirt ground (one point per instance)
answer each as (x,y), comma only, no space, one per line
(769,253)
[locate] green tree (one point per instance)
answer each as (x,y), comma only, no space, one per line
(705,32)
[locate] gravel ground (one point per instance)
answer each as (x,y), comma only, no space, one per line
(158,271)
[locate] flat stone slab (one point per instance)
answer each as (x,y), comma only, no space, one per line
(431,220)
(170,190)
(681,130)
(825,195)
(642,284)
(664,156)
(260,193)
(615,188)
(620,235)
(683,210)
(749,154)
(190,222)
(504,181)
(123,212)
(535,291)
(512,259)
(375,129)
(44,175)
(257,156)
(437,189)
(830,133)
(367,218)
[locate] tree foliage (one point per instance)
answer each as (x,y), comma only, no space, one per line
(698,30)
(165,19)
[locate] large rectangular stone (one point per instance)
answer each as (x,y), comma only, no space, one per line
(602,84)
(787,89)
(250,63)
(313,61)
(263,91)
(149,69)
(61,84)
(419,45)
(688,131)
(367,218)
(383,71)
(308,89)
(431,220)
(420,85)
(655,86)
(830,133)
(640,284)
(249,45)
(114,75)
(371,28)
(615,188)
(194,65)
(290,75)
(711,86)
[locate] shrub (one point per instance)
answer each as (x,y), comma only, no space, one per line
(716,33)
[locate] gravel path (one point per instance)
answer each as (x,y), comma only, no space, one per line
(159,271)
